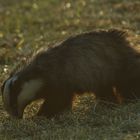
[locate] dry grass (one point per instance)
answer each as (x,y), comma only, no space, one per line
(28,25)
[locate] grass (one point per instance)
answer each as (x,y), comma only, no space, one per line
(25,26)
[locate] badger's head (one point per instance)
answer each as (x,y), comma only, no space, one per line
(18,91)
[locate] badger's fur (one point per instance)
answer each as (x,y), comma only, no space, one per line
(96,62)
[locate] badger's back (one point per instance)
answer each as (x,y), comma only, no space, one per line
(85,62)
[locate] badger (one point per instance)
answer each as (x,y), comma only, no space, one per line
(93,62)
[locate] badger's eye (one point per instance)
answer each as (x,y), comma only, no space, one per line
(14,106)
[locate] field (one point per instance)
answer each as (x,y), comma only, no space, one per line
(26,26)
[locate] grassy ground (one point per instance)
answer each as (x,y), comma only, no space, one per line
(26,26)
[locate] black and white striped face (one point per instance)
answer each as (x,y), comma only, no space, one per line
(17,94)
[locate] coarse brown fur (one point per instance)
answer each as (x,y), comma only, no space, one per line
(97,62)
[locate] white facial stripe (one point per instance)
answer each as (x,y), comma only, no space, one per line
(14,79)
(28,93)
(6,92)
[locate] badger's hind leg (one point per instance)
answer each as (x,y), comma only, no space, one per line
(129,95)
(107,95)
(53,106)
